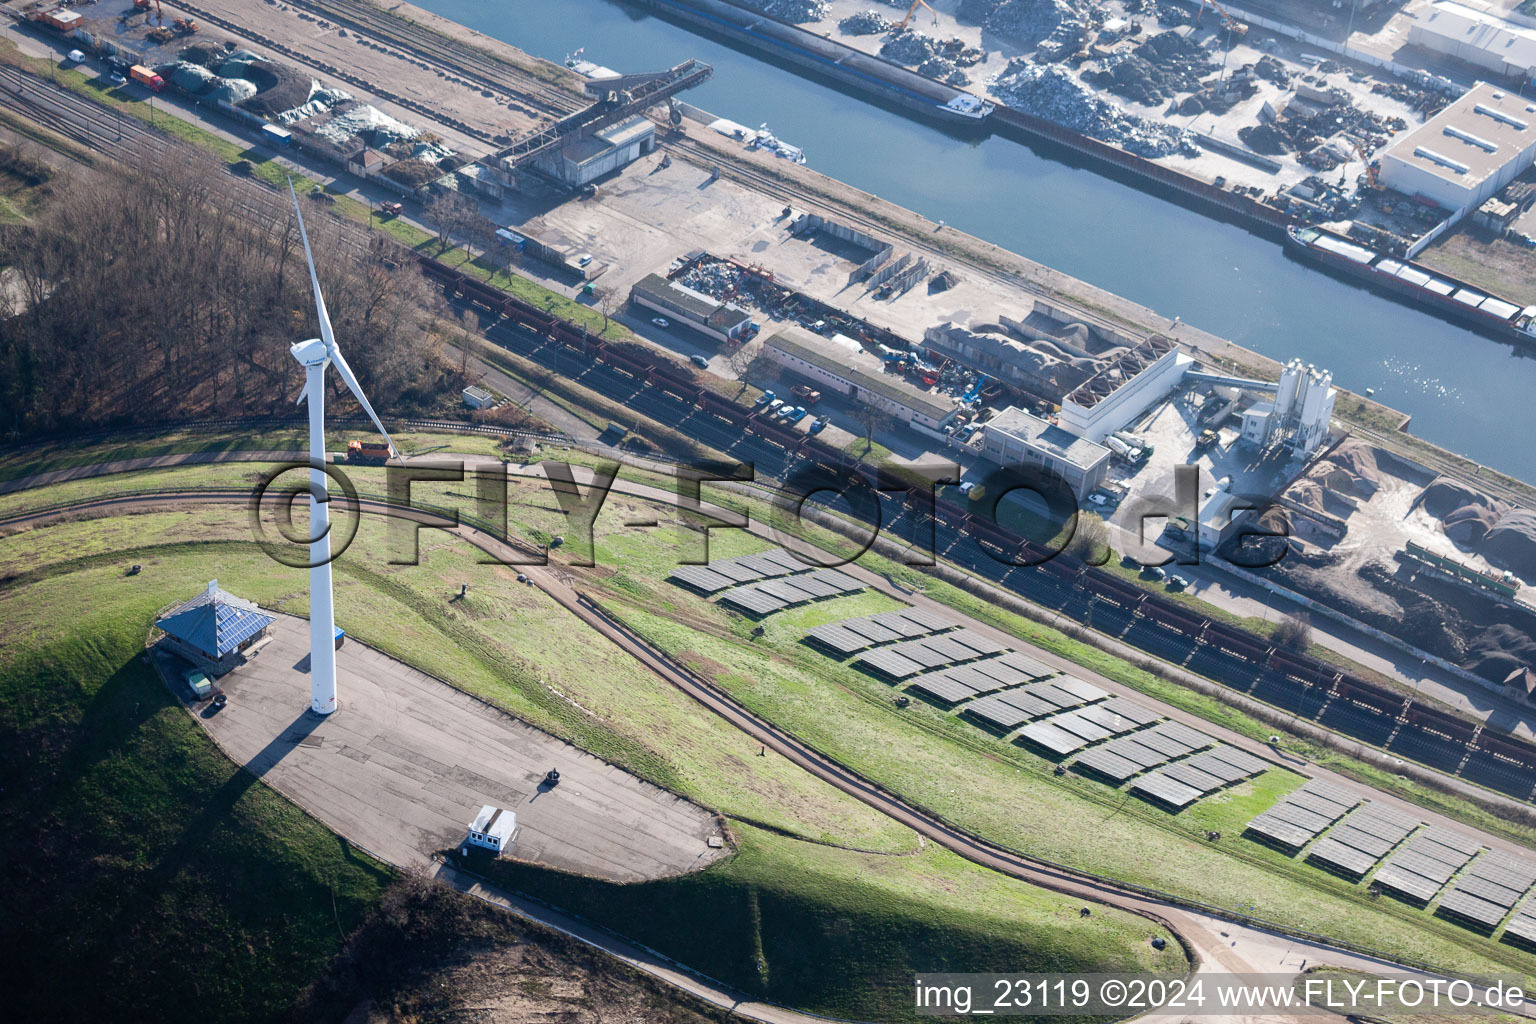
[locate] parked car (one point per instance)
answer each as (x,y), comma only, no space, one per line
(1098,499)
(783,411)
(818,425)
(699,361)
(775,405)
(1154,572)
(660,322)
(1177,582)
(117,79)
(764,398)
(583,259)
(965,486)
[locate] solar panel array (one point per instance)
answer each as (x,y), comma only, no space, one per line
(1523,925)
(1489,888)
(1131,755)
(962,682)
(1183,782)
(1303,815)
(728,572)
(1012,708)
(1068,732)
(908,658)
(1425,863)
(772,595)
(1353,846)
(853,635)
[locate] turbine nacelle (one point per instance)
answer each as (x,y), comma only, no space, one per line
(310,353)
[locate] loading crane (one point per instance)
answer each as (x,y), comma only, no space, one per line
(913,10)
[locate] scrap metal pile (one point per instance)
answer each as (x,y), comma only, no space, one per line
(1052,28)
(937,58)
(864,23)
(1323,134)
(1048,92)
(1156,71)
(790,10)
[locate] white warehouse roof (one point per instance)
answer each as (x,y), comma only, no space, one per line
(1470,140)
(1458,30)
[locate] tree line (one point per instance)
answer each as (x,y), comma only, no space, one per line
(157,292)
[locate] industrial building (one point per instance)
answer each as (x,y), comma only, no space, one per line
(1463,155)
(1221,517)
(841,366)
(1115,396)
(215,630)
(603,152)
(725,322)
(492,829)
(1476,37)
(1015,437)
(1300,415)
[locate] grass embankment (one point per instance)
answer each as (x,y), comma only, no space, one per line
(819,851)
(146,873)
(771,919)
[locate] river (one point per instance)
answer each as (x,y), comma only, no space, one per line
(1465,392)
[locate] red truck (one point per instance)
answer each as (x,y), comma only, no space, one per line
(146,77)
(808,395)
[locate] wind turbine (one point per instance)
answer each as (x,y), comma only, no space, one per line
(315,355)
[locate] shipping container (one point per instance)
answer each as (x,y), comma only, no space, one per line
(277,136)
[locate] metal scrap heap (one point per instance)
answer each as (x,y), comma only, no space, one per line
(1053,29)
(864,23)
(1048,92)
(790,10)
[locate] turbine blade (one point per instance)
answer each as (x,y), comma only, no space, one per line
(357,390)
(314,279)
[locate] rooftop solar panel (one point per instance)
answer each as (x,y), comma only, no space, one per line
(1057,741)
(1166,789)
(1108,763)
(1337,855)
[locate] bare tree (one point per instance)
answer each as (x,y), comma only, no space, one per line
(1090,539)
(453,213)
(1293,633)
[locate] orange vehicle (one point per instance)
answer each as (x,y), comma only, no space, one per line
(146,77)
(370,453)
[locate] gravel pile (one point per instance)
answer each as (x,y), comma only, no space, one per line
(790,10)
(1049,92)
(1052,28)
(864,23)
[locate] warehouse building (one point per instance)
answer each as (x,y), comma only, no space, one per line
(841,366)
(1120,392)
(1476,37)
(1463,155)
(725,322)
(1015,437)
(602,152)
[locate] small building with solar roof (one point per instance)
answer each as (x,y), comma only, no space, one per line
(214,630)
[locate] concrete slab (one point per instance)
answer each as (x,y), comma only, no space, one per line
(408,760)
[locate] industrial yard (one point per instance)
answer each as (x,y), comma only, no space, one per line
(1240,679)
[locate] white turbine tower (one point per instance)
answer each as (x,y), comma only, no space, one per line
(315,355)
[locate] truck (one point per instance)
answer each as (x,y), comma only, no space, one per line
(809,395)
(1125,451)
(146,77)
(368,453)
